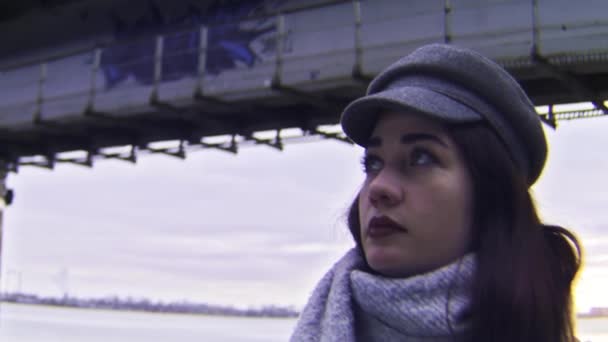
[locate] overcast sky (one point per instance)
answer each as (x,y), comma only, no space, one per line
(257,228)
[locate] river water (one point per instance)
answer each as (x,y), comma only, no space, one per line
(32,323)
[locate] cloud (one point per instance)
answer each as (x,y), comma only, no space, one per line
(215,221)
(572,189)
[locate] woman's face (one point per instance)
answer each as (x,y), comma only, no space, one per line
(415,207)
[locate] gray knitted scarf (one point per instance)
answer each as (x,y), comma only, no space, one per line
(428,307)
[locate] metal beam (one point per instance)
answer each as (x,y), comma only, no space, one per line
(569,81)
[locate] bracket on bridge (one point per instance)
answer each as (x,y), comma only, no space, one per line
(12,146)
(48,163)
(9,165)
(180,153)
(549,118)
(232,148)
(87,162)
(13,166)
(326,135)
(132,157)
(277,142)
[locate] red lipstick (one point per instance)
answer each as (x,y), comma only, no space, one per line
(381,226)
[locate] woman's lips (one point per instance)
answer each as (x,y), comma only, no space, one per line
(381,226)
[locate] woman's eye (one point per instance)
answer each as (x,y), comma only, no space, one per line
(420,157)
(371,164)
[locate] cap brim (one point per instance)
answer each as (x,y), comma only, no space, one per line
(359,117)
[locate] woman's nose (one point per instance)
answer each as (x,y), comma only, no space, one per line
(385,190)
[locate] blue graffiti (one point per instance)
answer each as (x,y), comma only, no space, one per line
(228,44)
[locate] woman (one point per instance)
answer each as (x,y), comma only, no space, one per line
(449,246)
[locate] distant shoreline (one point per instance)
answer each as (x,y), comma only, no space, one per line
(594,313)
(145,305)
(589,316)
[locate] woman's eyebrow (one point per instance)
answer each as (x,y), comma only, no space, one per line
(414,137)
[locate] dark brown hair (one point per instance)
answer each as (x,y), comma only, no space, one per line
(522,286)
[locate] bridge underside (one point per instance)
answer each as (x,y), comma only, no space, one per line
(276,72)
(164,122)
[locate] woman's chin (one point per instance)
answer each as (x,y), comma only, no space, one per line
(386,262)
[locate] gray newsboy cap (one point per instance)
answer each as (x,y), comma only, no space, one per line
(454,85)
